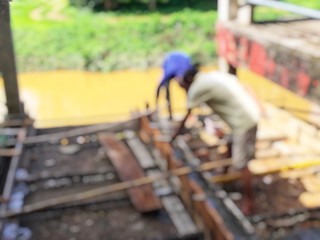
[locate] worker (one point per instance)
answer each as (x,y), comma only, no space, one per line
(224,94)
(174,66)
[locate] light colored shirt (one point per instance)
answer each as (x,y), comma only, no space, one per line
(225,95)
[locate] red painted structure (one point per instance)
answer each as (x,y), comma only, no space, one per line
(288,68)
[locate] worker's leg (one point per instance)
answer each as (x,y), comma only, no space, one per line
(243,151)
(248,206)
(228,154)
(168,101)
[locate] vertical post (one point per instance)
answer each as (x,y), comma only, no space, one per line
(245,13)
(227,11)
(7,63)
(152,5)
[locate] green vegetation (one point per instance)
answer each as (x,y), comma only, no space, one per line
(56,36)
(53,35)
(310,3)
(158,5)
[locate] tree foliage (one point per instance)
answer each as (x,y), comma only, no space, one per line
(86,40)
(150,4)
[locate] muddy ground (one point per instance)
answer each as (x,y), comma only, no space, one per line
(101,221)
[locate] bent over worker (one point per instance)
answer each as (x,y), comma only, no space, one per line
(174,66)
(224,94)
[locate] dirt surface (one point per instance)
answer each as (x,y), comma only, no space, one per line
(276,195)
(279,214)
(95,222)
(50,160)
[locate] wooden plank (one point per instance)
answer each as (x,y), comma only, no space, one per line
(10,131)
(83,130)
(187,153)
(139,150)
(39,177)
(237,213)
(9,152)
(162,186)
(66,199)
(71,133)
(17,122)
(179,215)
(209,215)
(213,224)
(189,188)
(267,166)
(174,206)
(143,198)
(159,160)
(228,177)
(310,200)
(6,193)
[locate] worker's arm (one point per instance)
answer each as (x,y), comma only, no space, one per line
(181,125)
(165,84)
(157,94)
(168,102)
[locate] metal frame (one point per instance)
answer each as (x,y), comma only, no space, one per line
(307,12)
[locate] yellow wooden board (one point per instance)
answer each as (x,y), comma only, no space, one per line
(261,166)
(266,153)
(264,166)
(210,140)
(299,173)
(310,200)
(311,183)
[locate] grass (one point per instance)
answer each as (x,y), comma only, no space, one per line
(52,35)
(69,38)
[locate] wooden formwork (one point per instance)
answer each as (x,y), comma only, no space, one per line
(10,158)
(191,192)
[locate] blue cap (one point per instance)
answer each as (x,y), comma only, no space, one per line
(176,64)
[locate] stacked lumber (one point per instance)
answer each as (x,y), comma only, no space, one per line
(297,156)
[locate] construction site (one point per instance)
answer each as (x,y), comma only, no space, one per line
(126,179)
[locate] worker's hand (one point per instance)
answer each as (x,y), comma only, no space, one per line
(213,128)
(173,138)
(219,132)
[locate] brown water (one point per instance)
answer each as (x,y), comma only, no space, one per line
(73,97)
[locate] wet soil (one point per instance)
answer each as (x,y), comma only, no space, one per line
(100,222)
(279,214)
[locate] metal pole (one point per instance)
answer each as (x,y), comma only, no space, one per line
(308,12)
(7,63)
